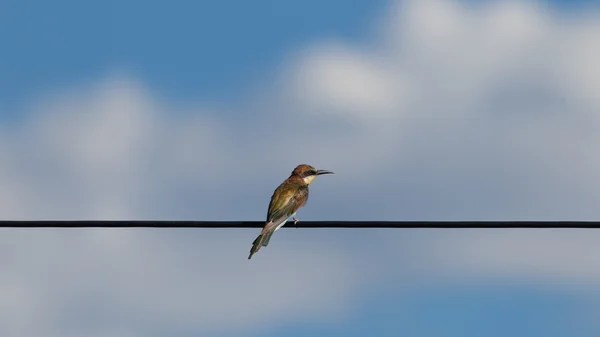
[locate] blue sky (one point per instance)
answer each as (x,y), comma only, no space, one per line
(469,310)
(185,49)
(426,110)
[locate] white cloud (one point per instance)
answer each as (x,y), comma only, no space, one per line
(456,112)
(557,257)
(111,151)
(143,281)
(332,79)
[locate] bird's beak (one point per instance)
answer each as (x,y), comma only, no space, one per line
(319,172)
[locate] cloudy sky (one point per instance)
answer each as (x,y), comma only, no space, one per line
(425,109)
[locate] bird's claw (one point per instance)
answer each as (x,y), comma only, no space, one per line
(295,220)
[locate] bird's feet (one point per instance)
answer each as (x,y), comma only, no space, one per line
(295,220)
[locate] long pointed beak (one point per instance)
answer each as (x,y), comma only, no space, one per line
(319,172)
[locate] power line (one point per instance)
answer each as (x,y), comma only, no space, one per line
(290,224)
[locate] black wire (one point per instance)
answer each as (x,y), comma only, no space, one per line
(300,224)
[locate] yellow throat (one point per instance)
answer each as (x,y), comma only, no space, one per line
(309,179)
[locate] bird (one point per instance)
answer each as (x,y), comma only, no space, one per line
(285,202)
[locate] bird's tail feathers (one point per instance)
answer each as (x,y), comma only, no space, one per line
(256,244)
(267,238)
(263,239)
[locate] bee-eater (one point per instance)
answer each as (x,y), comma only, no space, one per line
(285,202)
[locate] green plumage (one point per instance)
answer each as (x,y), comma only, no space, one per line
(287,199)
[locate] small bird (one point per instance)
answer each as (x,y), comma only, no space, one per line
(285,202)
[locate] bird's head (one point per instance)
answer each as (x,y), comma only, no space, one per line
(308,173)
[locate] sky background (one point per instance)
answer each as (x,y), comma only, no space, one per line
(187,110)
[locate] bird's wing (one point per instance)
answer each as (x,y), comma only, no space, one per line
(285,202)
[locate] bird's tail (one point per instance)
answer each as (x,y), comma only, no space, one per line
(267,238)
(256,244)
(263,239)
